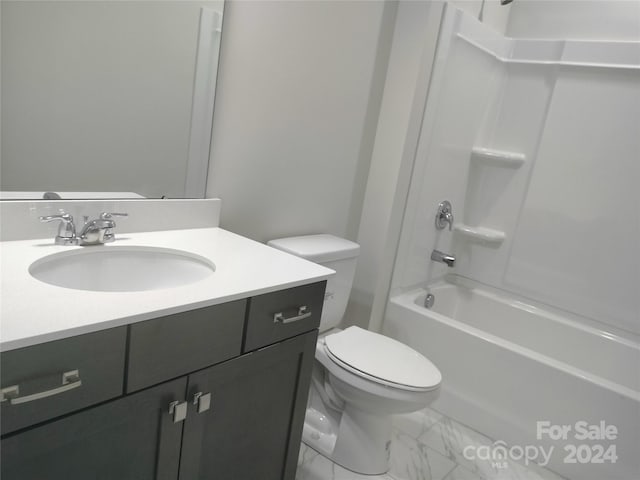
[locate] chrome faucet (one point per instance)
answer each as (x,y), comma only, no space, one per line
(99,230)
(94,232)
(438,256)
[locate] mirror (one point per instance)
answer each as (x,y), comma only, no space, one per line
(107,98)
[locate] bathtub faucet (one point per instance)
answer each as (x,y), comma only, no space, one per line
(438,256)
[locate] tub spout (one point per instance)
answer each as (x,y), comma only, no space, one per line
(438,256)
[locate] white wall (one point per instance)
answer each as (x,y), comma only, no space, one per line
(494,15)
(293,145)
(571,109)
(413,48)
(598,19)
(455,111)
(298,94)
(575,19)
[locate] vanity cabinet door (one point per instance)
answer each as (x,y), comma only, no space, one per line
(250,426)
(132,438)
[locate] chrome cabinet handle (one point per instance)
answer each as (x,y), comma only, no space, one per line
(179,411)
(302,314)
(202,401)
(70,380)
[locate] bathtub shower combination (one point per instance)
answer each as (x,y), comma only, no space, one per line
(507,364)
(535,328)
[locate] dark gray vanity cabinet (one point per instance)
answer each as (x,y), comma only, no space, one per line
(185,396)
(298,309)
(35,386)
(252,425)
(178,344)
(132,438)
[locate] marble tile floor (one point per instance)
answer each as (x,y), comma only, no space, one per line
(425,446)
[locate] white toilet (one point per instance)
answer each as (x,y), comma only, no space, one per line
(360,378)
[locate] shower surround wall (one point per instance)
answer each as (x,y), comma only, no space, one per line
(535,144)
(569,210)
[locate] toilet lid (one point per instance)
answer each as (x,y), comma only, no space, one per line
(382,358)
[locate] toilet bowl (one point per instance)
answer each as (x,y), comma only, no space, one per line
(362,389)
(360,378)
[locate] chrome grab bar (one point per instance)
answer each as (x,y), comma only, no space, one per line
(70,380)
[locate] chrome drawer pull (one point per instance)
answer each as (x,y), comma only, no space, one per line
(70,380)
(302,314)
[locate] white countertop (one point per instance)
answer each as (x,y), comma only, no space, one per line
(33,312)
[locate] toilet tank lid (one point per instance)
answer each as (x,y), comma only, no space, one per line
(317,248)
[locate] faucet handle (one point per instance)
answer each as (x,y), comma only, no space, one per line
(444,215)
(110,215)
(66,230)
(64,217)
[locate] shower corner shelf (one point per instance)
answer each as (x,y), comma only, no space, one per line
(480,234)
(497,158)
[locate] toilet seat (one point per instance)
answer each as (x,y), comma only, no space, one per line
(382,360)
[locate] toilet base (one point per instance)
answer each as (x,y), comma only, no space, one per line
(364,441)
(359,441)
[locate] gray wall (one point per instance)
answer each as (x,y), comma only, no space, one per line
(299,90)
(96,96)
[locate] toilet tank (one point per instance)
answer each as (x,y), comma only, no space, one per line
(332,252)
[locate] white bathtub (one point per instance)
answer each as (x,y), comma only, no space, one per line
(507,364)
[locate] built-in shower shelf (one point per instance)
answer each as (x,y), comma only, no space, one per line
(497,158)
(480,234)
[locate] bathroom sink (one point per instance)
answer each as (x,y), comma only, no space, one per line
(121,269)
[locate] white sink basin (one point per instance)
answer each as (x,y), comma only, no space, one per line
(121,269)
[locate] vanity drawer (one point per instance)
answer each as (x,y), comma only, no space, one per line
(59,377)
(272,317)
(175,345)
